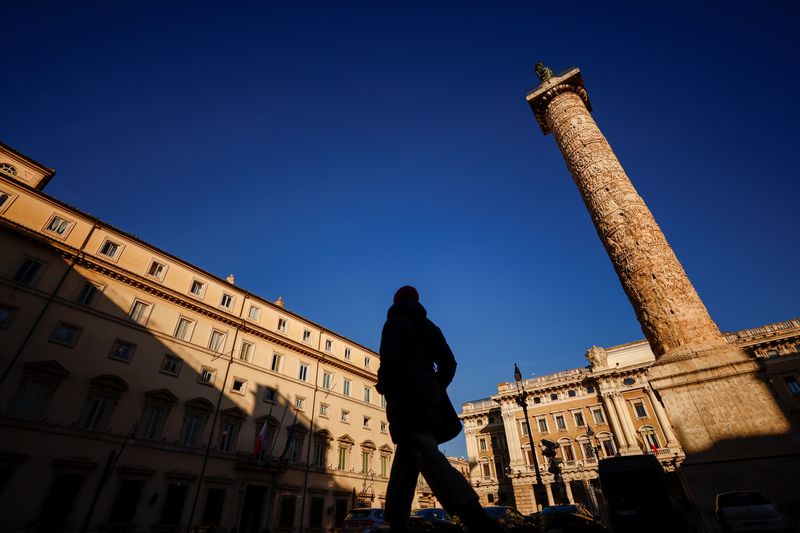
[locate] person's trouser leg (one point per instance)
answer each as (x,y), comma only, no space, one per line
(402,481)
(449,486)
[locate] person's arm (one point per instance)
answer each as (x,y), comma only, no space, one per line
(444,359)
(388,353)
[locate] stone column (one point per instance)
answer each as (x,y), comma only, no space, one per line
(512,437)
(472,449)
(550,500)
(662,418)
(616,429)
(533,499)
(672,316)
(568,489)
(625,421)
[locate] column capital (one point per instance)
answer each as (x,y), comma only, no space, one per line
(568,81)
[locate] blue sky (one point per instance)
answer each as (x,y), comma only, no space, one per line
(330,152)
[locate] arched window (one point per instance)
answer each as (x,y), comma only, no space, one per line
(346,443)
(367,449)
(195,416)
(607,446)
(385,458)
(103,396)
(8,168)
(567,451)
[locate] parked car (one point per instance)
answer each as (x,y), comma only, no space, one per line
(749,511)
(568,518)
(440,520)
(508,518)
(365,520)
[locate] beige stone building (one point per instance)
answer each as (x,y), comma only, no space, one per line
(424,498)
(601,410)
(130,374)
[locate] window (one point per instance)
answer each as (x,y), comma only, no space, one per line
(246,351)
(157,270)
(328,345)
(640,410)
(66,334)
(316,511)
(152,421)
(384,465)
(542,425)
(792,385)
(486,470)
(27,271)
(345,416)
(383,401)
(598,416)
(110,249)
(482,444)
(87,294)
(579,421)
(139,312)
(524,427)
(4,197)
(299,403)
(367,394)
(197,288)
(171,364)
(6,314)
(346,387)
(239,386)
(554,396)
(207,376)
(8,168)
(383,426)
(104,393)
(628,381)
(302,373)
(183,330)
(323,409)
(275,366)
(287,510)
(282,325)
(226,301)
(254,313)
(365,462)
(327,380)
(561,424)
(58,226)
(270,394)
(212,512)
(347,353)
(194,421)
(568,452)
(571,393)
(217,341)
(343,456)
(122,350)
(173,504)
(490,497)
(589,390)
(306,335)
(588,450)
(365,423)
(320,451)
(366,362)
(126,501)
(227,439)
(39,381)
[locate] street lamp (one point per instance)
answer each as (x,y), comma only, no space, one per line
(522,402)
(595,444)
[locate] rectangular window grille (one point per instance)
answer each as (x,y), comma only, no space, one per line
(345,416)
(347,353)
(156,270)
(226,301)
(367,394)
(282,325)
(110,249)
(122,350)
(346,387)
(327,380)
(253,313)
(87,294)
(542,425)
(270,394)
(27,271)
(328,345)
(197,288)
(246,351)
(640,410)
(598,416)
(66,334)
(306,335)
(302,373)
(207,376)
(276,363)
(139,312)
(561,423)
(217,341)
(579,421)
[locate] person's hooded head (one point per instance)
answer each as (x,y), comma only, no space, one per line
(406,293)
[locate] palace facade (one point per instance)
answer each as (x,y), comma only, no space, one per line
(601,410)
(140,392)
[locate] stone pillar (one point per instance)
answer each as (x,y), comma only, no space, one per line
(512,437)
(625,422)
(611,411)
(472,450)
(536,507)
(662,418)
(672,316)
(568,489)
(550,500)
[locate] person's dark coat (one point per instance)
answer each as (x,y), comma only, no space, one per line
(416,367)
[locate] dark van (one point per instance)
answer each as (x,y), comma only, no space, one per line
(637,496)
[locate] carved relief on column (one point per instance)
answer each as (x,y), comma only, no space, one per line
(666,304)
(663,419)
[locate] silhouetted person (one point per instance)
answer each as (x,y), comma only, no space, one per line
(416,368)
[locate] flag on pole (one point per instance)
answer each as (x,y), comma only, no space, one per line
(261,438)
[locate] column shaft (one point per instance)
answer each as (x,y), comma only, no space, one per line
(611,410)
(625,421)
(663,419)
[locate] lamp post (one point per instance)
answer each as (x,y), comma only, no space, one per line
(593,442)
(522,402)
